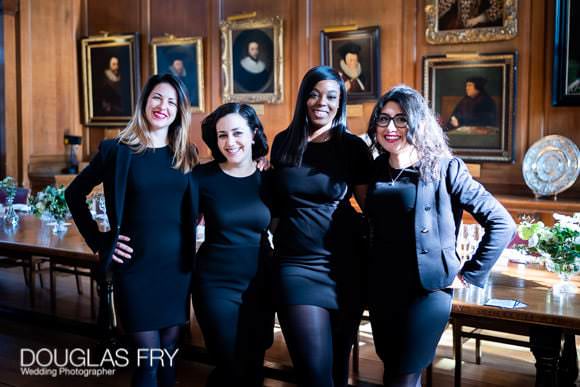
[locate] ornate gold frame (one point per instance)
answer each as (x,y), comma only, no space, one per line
(508,31)
(186,41)
(226,29)
(130,40)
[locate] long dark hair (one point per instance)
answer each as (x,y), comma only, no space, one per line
(292,146)
(424,133)
(209,132)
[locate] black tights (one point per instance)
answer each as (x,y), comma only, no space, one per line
(150,370)
(319,342)
(402,380)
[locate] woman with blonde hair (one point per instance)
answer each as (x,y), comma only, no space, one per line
(150,247)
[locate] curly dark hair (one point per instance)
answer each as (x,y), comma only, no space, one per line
(424,133)
(209,132)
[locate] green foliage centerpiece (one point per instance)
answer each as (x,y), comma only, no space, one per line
(559,245)
(51,201)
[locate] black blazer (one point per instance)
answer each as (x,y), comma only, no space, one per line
(438,211)
(109,166)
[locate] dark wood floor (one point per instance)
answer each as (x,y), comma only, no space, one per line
(502,365)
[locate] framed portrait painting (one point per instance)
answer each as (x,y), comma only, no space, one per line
(355,55)
(182,57)
(566,66)
(467,21)
(473,99)
(110,77)
(252,60)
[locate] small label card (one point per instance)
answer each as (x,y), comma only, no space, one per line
(507,304)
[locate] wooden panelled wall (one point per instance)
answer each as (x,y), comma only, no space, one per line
(42,84)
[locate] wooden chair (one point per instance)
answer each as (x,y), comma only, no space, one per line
(44,170)
(31,266)
(474,331)
(65,180)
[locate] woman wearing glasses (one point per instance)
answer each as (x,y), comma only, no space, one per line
(417,195)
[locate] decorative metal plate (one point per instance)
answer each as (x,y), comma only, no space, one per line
(551,165)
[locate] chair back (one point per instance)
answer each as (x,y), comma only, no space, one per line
(20,198)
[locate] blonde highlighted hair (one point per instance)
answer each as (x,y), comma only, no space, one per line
(135,134)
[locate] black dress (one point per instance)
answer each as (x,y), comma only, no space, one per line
(229,292)
(152,289)
(315,241)
(407,320)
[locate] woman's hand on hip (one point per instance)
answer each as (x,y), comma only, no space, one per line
(122,250)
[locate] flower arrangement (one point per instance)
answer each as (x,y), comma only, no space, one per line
(8,185)
(559,244)
(50,200)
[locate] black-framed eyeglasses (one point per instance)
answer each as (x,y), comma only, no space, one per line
(400,120)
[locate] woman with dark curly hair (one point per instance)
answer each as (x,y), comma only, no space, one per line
(229,292)
(415,201)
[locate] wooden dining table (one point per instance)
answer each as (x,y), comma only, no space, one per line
(34,238)
(549,320)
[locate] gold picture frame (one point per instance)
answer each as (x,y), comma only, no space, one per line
(183,57)
(253,60)
(110,77)
(498,21)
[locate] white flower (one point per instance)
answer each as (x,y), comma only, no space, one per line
(533,241)
(569,222)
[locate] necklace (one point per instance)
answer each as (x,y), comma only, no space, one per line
(393,181)
(320,136)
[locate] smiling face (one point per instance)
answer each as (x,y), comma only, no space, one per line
(161,108)
(234,139)
(322,104)
(391,138)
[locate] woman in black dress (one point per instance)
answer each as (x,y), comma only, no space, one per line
(229,290)
(414,204)
(145,173)
(318,165)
